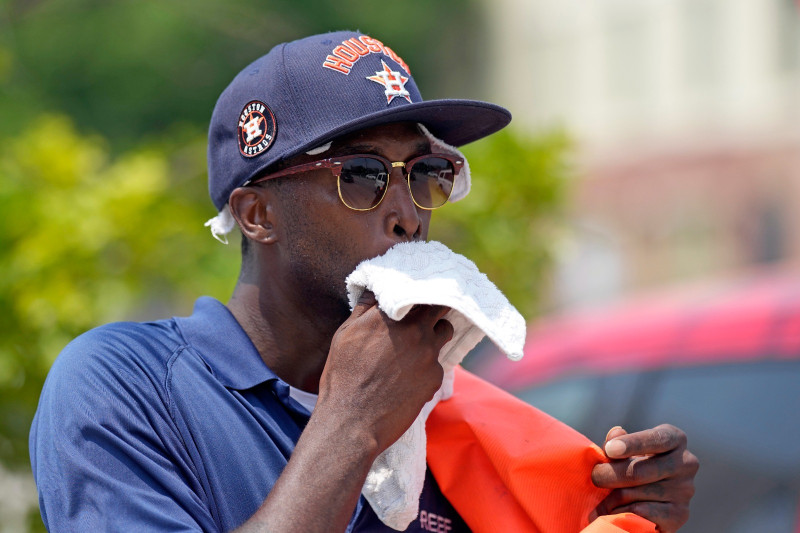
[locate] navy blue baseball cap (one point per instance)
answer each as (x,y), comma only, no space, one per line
(303,94)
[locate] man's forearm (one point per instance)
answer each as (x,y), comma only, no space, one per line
(366,402)
(319,488)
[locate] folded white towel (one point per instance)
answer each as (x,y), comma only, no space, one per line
(429,273)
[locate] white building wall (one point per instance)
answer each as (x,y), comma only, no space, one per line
(686,116)
(611,70)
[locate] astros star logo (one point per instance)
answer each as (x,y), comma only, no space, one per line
(252,128)
(256,128)
(394,82)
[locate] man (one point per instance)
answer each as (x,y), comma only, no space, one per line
(203,423)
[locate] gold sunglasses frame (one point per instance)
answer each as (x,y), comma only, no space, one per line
(335,166)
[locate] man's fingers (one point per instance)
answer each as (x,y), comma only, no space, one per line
(625,473)
(365,302)
(669,517)
(667,490)
(661,439)
(651,474)
(444,330)
(429,312)
(616,448)
(614,432)
(642,469)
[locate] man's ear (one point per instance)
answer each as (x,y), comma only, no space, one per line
(254,211)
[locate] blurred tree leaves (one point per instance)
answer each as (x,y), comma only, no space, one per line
(128,69)
(506,223)
(87,238)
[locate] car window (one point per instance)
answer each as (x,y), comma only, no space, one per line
(587,402)
(751,411)
(569,400)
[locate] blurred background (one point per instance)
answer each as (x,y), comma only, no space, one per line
(651,177)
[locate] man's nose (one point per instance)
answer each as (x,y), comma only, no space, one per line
(401,216)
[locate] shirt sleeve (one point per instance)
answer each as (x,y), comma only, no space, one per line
(105,453)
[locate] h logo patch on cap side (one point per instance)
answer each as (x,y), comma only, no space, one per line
(393,81)
(256,128)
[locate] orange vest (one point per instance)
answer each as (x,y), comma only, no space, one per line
(508,467)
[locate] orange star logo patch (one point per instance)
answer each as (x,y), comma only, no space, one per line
(393,81)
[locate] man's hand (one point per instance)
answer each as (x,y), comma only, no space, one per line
(651,473)
(380,372)
(378,376)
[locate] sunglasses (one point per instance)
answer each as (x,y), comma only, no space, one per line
(364,178)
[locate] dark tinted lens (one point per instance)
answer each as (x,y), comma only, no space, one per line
(431,181)
(362,182)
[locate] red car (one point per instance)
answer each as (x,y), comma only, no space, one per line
(721,361)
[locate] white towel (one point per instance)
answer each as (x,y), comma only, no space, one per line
(429,273)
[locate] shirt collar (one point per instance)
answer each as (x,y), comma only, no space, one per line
(217,337)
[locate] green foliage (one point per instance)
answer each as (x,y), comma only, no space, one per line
(129,69)
(504,225)
(87,239)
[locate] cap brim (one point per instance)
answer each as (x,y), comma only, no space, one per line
(456,122)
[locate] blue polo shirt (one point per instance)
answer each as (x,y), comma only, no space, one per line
(175,425)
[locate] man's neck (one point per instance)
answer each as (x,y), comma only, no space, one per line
(293,340)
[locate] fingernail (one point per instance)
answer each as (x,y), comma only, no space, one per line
(615,448)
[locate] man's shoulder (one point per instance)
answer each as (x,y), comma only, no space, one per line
(108,377)
(104,425)
(118,342)
(123,351)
